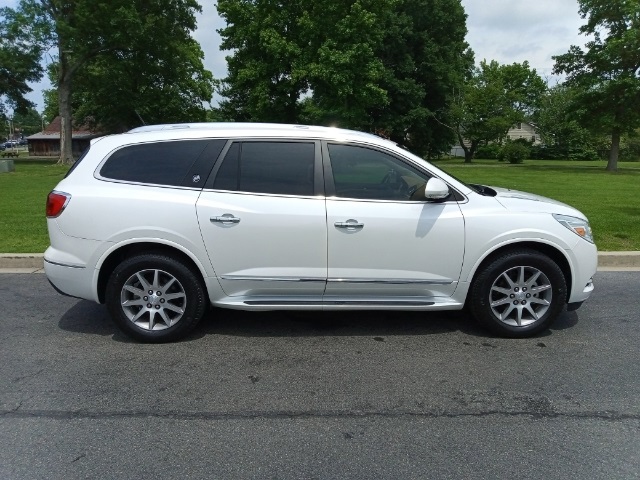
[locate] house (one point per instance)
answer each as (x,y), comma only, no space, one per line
(47,142)
(525,130)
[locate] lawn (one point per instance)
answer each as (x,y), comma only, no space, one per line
(23,196)
(610,200)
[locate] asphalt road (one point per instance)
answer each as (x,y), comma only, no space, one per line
(294,395)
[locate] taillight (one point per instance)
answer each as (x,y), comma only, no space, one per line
(56,201)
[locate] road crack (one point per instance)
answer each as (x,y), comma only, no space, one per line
(328,414)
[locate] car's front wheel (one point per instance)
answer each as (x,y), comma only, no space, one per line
(155,298)
(518,294)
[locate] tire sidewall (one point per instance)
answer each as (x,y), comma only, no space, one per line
(194,291)
(480,292)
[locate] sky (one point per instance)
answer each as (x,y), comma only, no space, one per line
(504,30)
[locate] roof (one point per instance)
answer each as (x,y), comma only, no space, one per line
(216,129)
(52,132)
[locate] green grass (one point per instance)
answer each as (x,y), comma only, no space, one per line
(23,196)
(610,200)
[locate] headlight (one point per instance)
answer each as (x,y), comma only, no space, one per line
(576,225)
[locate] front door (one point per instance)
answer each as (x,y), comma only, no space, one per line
(384,240)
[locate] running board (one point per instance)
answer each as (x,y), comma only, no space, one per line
(362,303)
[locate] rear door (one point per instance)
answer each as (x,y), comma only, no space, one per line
(263,220)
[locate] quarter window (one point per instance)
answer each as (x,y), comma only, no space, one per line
(162,163)
(281,168)
(360,172)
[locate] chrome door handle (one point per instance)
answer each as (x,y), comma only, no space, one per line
(351,223)
(226,218)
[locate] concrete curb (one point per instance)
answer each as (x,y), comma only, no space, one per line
(606,260)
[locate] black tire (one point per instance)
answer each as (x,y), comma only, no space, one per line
(508,306)
(177,303)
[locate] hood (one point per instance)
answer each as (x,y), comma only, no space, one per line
(529,202)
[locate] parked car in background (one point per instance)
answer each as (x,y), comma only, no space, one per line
(163,221)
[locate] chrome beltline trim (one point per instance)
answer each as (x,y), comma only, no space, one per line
(386,281)
(272,279)
(391,281)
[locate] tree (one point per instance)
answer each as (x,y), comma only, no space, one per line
(27,123)
(493,99)
(607,74)
(115,94)
(425,59)
(20,52)
(559,128)
(88,33)
(386,66)
(283,52)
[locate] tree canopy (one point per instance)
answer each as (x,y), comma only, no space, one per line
(125,55)
(493,99)
(387,66)
(607,74)
(20,52)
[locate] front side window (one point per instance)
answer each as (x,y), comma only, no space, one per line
(161,163)
(360,172)
(281,168)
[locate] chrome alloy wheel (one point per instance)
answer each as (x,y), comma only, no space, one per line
(153,299)
(520,296)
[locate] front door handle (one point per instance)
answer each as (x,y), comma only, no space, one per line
(226,218)
(350,224)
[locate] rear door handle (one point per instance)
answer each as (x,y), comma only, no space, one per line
(226,218)
(350,224)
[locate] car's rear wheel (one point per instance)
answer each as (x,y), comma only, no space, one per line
(518,294)
(155,298)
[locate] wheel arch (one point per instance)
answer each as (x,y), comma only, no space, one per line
(116,256)
(551,251)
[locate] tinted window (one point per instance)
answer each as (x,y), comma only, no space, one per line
(360,172)
(283,168)
(163,163)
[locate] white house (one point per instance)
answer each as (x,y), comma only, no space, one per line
(525,130)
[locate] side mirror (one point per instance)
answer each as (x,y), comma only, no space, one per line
(436,190)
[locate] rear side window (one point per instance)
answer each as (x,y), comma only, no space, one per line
(281,168)
(163,163)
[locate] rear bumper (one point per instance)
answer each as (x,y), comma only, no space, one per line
(70,280)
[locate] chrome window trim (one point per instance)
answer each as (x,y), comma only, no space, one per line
(233,192)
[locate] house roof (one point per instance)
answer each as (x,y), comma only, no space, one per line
(52,132)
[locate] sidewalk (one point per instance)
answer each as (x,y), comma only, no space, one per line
(33,262)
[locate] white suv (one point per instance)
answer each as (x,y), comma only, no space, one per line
(162,221)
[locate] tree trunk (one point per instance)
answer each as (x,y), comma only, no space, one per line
(64,106)
(612,165)
(468,151)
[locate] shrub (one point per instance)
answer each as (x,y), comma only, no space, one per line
(514,152)
(488,152)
